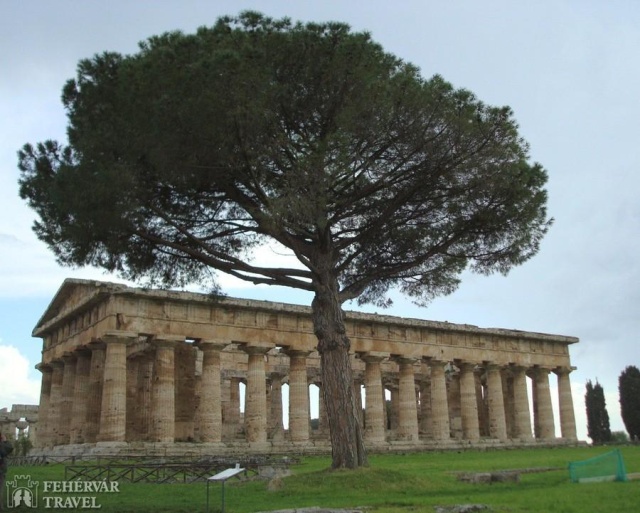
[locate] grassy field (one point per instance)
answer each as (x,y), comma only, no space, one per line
(391,484)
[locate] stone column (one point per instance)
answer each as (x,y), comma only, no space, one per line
(468,402)
(374,399)
(68,382)
(145,385)
(96,378)
(232,420)
(255,410)
(298,396)
(184,390)
(113,413)
(323,420)
(497,421)
(521,404)
(55,402)
(394,410)
(34,431)
(163,398)
(543,411)
(133,406)
(80,396)
(210,392)
(455,408)
(407,415)
(508,398)
(44,438)
(565,399)
(439,404)
(276,429)
(425,426)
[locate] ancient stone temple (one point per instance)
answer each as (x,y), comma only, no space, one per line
(138,369)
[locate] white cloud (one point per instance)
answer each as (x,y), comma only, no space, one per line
(15,385)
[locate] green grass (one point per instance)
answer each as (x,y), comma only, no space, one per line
(393,484)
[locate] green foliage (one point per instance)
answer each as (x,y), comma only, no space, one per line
(629,390)
(619,437)
(394,483)
(598,428)
(184,156)
(22,446)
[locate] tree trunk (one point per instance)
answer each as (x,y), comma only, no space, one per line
(342,406)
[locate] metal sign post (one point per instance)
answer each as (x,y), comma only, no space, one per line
(222,477)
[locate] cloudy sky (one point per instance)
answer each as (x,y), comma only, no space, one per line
(568,68)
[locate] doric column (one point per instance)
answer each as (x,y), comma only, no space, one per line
(80,397)
(232,417)
(408,415)
(43,411)
(96,378)
(565,399)
(374,398)
(543,411)
(497,421)
(55,402)
(145,385)
(508,398)
(455,408)
(34,431)
(439,404)
(323,421)
(255,411)
(133,405)
(163,393)
(184,390)
(425,427)
(521,404)
(468,402)
(113,413)
(210,392)
(394,409)
(68,382)
(276,429)
(298,396)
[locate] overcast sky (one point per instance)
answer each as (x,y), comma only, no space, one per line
(569,69)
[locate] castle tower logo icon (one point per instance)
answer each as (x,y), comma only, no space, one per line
(22,492)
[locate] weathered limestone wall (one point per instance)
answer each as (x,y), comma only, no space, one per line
(130,366)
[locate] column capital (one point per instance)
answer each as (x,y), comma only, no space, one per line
(296,353)
(433,362)
(254,350)
(82,351)
(68,357)
(57,363)
(466,366)
(373,356)
(402,359)
(537,370)
(119,337)
(564,371)
(96,344)
(44,367)
(211,345)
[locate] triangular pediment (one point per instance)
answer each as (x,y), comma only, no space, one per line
(73,295)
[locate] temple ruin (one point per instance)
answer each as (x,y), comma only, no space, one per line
(134,369)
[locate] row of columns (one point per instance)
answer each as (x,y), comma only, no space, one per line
(84,397)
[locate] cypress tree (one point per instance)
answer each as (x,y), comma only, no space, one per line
(598,428)
(629,390)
